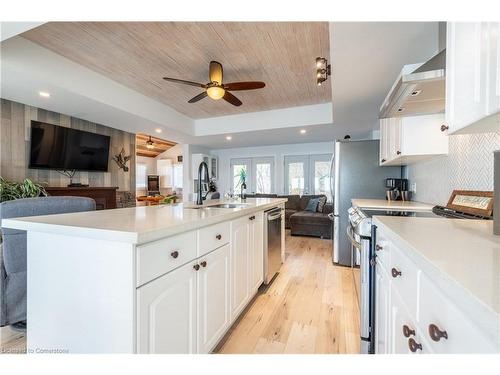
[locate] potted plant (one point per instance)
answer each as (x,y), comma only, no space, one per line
(10,190)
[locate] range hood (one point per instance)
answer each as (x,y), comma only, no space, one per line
(419,89)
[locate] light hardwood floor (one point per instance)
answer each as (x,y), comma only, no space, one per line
(310,307)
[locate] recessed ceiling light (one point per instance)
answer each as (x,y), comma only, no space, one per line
(158,130)
(229,137)
(303,131)
(44,94)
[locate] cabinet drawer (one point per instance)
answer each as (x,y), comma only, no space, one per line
(212,237)
(435,309)
(157,258)
(403,274)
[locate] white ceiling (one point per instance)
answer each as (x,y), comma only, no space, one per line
(365,57)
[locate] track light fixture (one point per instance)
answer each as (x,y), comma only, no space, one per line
(323,70)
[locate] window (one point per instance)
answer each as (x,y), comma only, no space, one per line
(177,176)
(308,174)
(141,176)
(259,175)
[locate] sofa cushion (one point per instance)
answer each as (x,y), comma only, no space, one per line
(304,200)
(312,205)
(293,202)
(321,204)
(310,218)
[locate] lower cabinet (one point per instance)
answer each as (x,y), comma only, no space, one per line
(166,313)
(186,310)
(382,306)
(247,258)
(213,298)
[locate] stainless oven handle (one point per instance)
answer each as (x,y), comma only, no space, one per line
(350,234)
(274,217)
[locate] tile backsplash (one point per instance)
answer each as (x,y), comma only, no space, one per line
(468,166)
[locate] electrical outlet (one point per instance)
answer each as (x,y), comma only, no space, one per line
(413,188)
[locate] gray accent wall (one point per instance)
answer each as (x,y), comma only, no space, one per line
(468,166)
(15,129)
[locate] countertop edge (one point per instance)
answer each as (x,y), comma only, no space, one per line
(413,206)
(134,238)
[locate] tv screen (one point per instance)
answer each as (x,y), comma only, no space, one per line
(57,147)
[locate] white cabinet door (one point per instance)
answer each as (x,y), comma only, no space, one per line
(384,138)
(166,313)
(164,171)
(382,312)
(257,251)
(395,133)
(239,265)
(494,67)
(466,73)
(213,298)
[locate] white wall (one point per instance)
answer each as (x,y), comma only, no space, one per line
(171,153)
(278,152)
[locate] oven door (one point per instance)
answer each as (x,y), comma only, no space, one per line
(361,248)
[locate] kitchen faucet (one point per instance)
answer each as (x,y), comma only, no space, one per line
(199,198)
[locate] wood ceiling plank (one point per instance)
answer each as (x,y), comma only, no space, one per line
(139,54)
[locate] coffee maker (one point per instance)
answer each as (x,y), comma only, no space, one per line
(397,189)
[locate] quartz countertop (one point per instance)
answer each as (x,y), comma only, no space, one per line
(455,252)
(383,204)
(138,225)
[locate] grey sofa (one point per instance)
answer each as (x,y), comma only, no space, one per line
(13,249)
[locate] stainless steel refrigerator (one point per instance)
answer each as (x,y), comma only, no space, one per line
(355,173)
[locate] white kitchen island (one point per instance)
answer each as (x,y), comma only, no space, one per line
(158,279)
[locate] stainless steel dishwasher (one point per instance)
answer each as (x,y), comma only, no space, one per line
(272,243)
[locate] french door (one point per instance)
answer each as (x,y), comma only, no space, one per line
(259,175)
(308,174)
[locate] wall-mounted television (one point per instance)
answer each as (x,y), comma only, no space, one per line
(57,147)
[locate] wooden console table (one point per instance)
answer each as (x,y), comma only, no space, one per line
(105,197)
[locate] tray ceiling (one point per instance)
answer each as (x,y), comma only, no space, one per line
(139,54)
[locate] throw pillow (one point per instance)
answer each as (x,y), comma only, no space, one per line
(321,204)
(312,205)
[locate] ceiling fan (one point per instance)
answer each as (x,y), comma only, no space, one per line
(215,89)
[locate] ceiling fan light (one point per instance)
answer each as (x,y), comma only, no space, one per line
(216,92)
(149,144)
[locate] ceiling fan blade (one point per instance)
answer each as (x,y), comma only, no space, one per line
(237,86)
(228,97)
(184,82)
(198,97)
(215,72)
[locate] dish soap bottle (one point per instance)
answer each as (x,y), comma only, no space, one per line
(243,191)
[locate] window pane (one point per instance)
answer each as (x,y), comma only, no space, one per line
(321,178)
(237,169)
(177,176)
(296,178)
(140,180)
(263,178)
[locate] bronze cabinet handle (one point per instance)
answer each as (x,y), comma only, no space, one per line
(444,128)
(413,345)
(218,237)
(398,152)
(407,331)
(383,160)
(252,217)
(395,273)
(378,247)
(203,264)
(196,267)
(174,254)
(436,334)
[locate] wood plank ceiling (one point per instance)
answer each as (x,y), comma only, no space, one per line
(139,54)
(160,145)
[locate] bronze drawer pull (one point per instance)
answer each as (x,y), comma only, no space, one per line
(196,267)
(252,217)
(203,264)
(398,152)
(378,247)
(383,160)
(395,273)
(444,127)
(174,254)
(413,345)
(407,331)
(218,237)
(436,334)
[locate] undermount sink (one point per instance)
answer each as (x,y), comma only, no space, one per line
(221,205)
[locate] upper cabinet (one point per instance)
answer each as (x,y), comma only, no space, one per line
(473,77)
(406,140)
